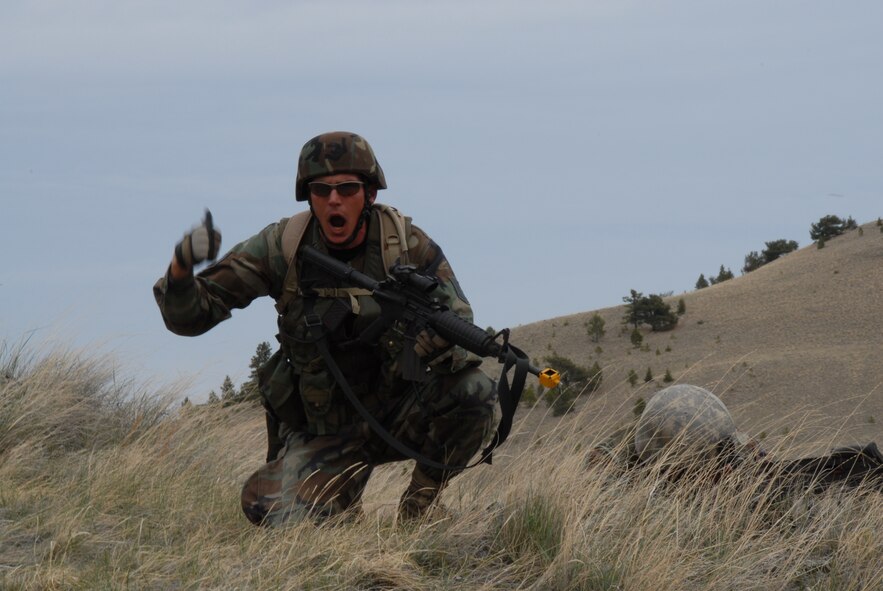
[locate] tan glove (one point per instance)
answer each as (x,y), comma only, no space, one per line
(202,243)
(429,344)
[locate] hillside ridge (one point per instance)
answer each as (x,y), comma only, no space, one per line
(795,343)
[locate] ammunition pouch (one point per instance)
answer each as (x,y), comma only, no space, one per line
(278,384)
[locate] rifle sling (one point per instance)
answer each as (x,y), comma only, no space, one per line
(508,398)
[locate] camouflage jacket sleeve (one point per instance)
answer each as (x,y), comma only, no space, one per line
(430,259)
(251,269)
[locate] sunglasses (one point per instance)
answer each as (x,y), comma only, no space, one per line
(344,189)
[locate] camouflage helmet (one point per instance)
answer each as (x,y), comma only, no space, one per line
(689,416)
(336,152)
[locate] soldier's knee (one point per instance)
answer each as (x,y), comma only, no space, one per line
(473,389)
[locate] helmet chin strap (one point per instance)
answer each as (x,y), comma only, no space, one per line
(363,218)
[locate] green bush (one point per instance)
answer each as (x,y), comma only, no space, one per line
(529,397)
(722,275)
(570,371)
(637,338)
(560,399)
(595,327)
(633,377)
(595,378)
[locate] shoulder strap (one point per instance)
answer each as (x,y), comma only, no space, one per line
(294,231)
(395,229)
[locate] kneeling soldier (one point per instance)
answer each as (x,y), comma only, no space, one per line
(320,451)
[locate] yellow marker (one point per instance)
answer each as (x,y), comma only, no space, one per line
(549,378)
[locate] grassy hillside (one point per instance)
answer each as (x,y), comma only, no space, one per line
(111,485)
(794,347)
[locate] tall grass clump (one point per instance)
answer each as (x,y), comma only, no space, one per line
(65,400)
(106,485)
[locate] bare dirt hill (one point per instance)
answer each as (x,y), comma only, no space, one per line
(795,348)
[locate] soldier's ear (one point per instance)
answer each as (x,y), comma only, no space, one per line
(371,194)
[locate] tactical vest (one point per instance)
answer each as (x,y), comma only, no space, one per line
(341,313)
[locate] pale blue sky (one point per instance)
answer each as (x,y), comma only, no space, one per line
(561,152)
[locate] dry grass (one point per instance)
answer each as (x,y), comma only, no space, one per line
(103,487)
(796,344)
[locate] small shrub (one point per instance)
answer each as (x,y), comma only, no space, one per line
(529,397)
(637,338)
(572,372)
(638,408)
(821,243)
(682,307)
(668,377)
(668,348)
(599,350)
(658,352)
(595,378)
(560,399)
(633,377)
(648,377)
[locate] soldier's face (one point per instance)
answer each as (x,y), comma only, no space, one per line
(338,214)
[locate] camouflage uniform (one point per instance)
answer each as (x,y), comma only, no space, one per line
(321,450)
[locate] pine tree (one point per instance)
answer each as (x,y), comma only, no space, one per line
(830,226)
(682,307)
(777,248)
(595,327)
(213,398)
(648,377)
(249,389)
(753,261)
(633,312)
(668,377)
(228,392)
(722,275)
(702,282)
(637,338)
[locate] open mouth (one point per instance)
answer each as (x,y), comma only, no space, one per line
(337,221)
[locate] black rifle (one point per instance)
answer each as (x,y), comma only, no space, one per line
(405,295)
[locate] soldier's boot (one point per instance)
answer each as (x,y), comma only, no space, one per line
(420,496)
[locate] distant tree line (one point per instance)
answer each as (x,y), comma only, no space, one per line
(248,391)
(828,226)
